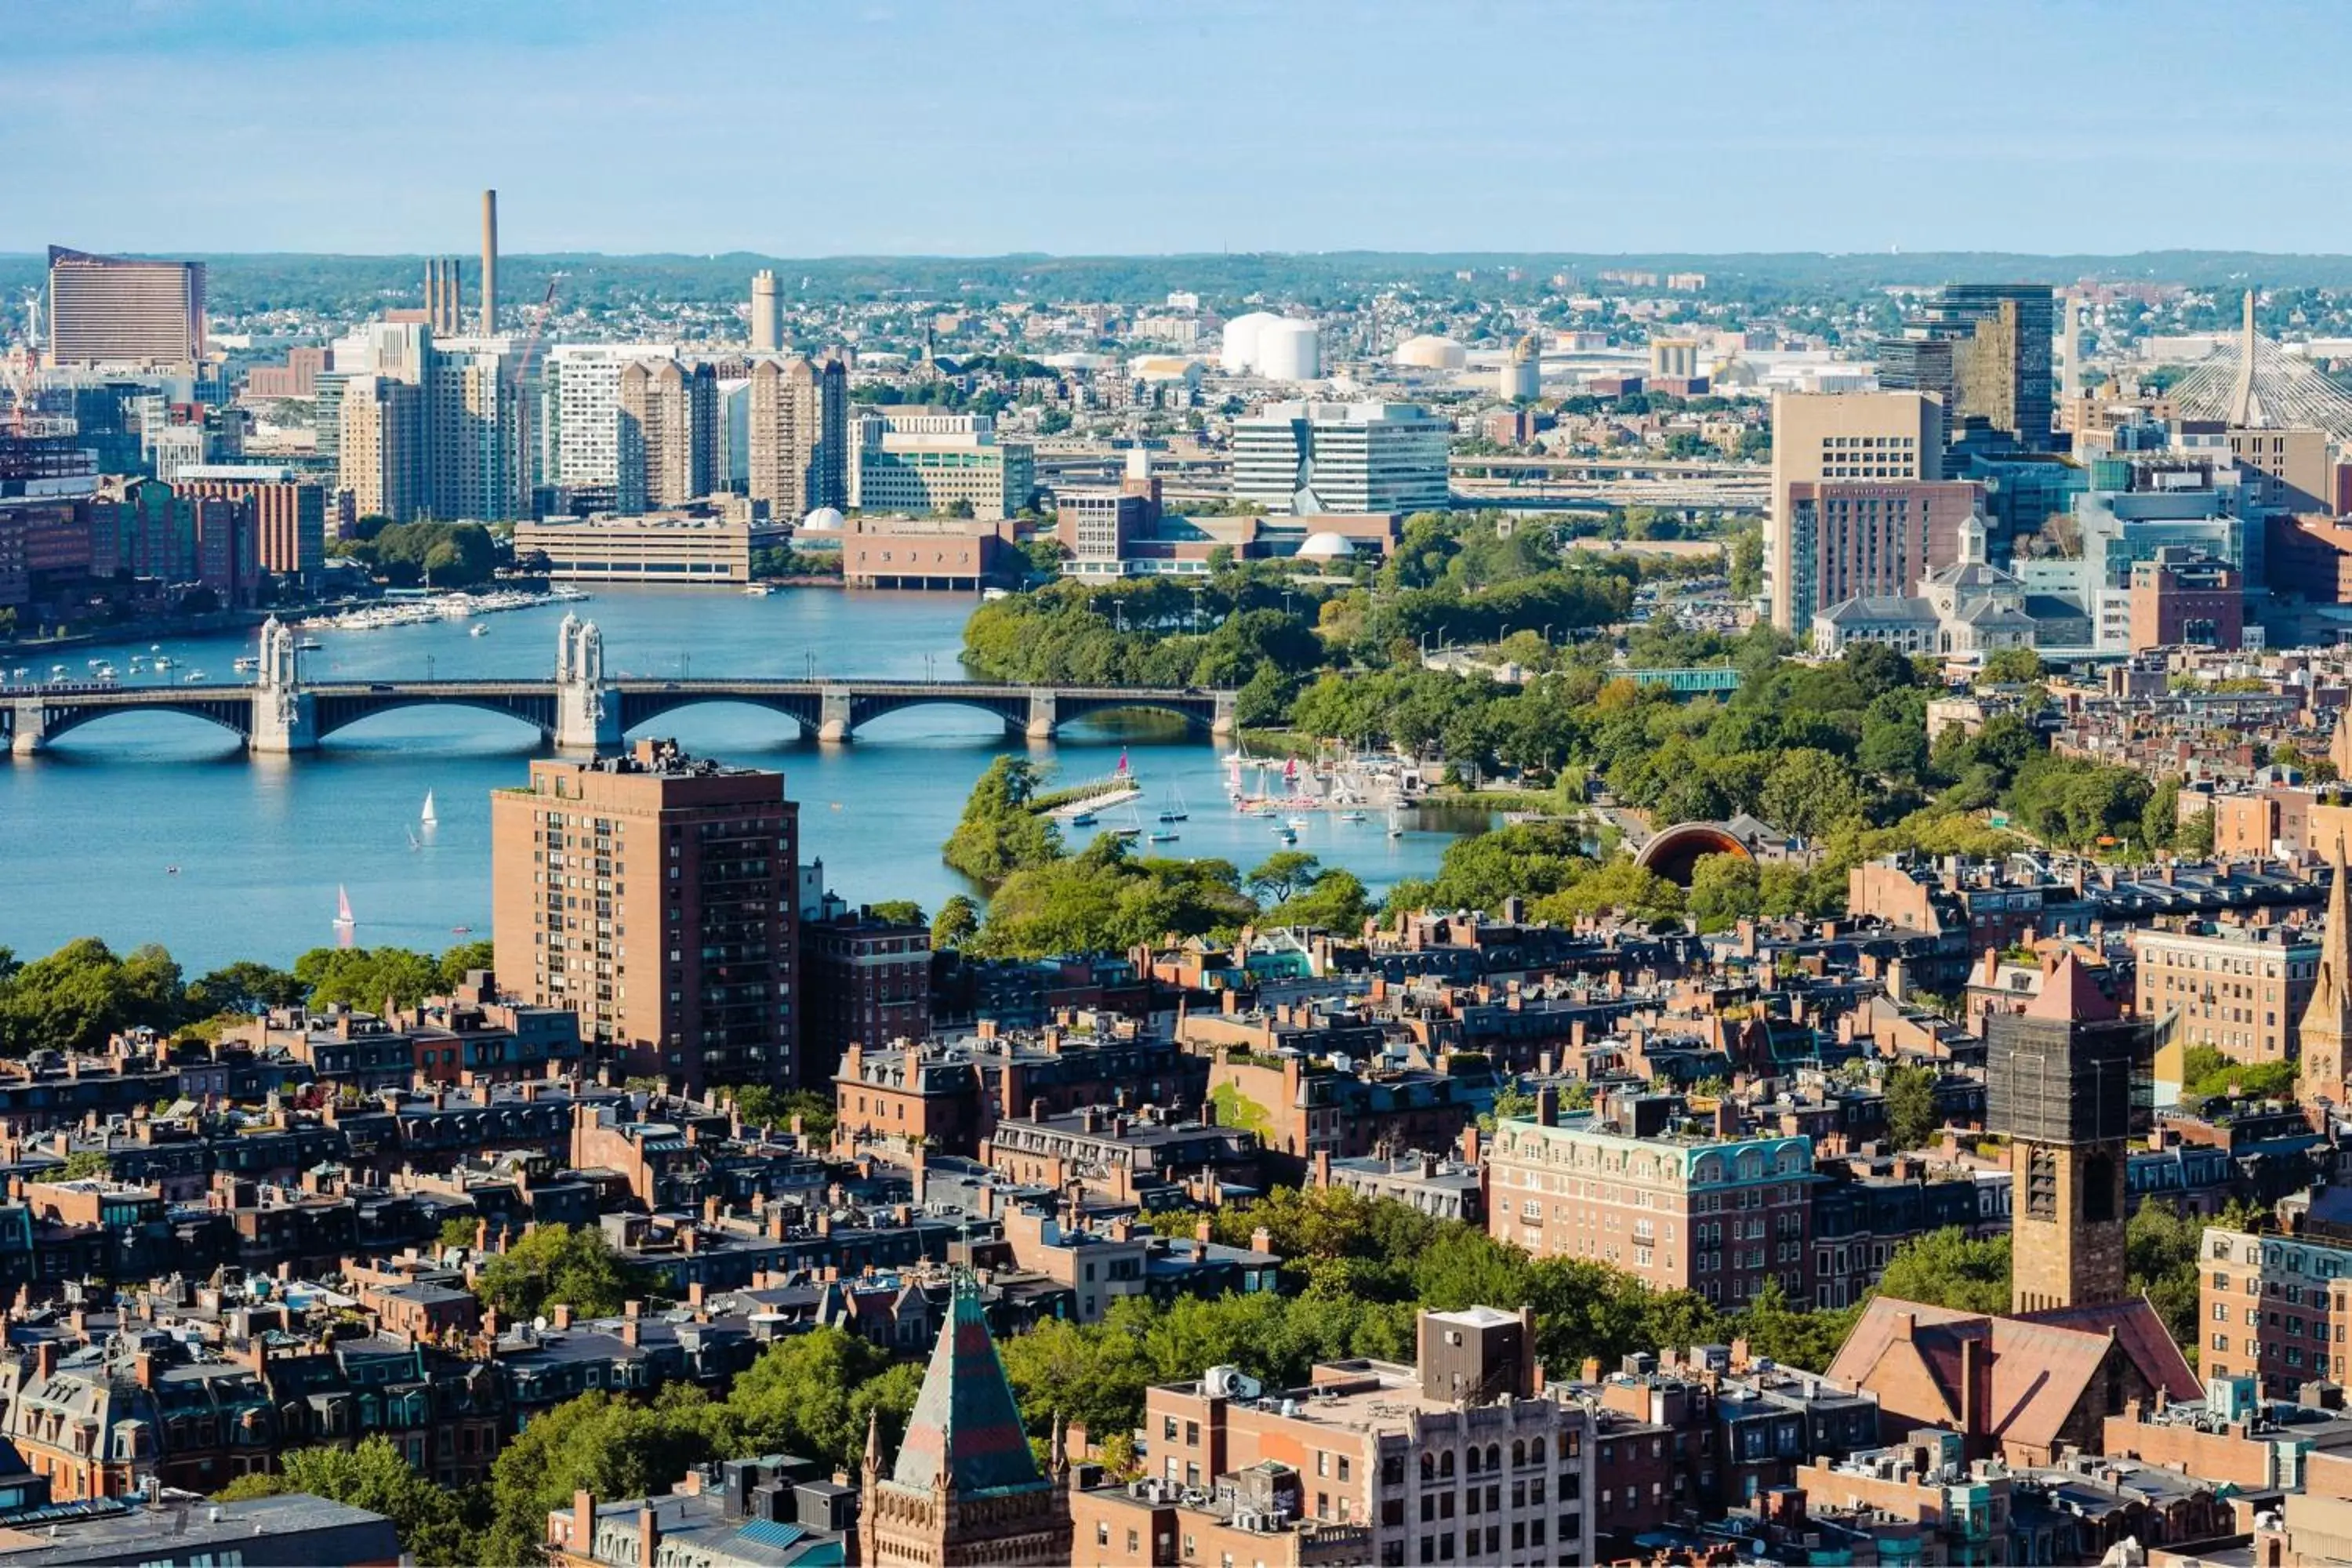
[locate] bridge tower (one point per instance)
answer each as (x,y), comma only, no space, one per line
(285,717)
(1222,724)
(586,719)
(1041,723)
(834,710)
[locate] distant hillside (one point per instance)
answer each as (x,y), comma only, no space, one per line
(356,283)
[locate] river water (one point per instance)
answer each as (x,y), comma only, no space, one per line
(159,828)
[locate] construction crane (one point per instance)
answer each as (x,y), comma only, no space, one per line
(523,362)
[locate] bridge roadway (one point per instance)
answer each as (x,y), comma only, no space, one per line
(581,715)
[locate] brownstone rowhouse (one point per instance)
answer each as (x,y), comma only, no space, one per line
(652,894)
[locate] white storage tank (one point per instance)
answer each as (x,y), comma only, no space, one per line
(1238,353)
(1429,351)
(1289,351)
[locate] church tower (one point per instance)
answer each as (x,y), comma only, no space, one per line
(2068,1080)
(2327,1024)
(964,1488)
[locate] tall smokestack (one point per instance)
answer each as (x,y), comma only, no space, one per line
(489,263)
(767,323)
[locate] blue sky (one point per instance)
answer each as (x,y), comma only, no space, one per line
(1120,126)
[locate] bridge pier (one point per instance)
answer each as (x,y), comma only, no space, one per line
(585,719)
(1222,724)
(1041,723)
(285,720)
(833,715)
(31,733)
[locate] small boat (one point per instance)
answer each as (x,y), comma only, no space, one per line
(196,677)
(1287,835)
(480,630)
(1082,819)
(309,645)
(461,930)
(1174,811)
(1351,817)
(1300,822)
(756,591)
(164,661)
(1396,826)
(413,841)
(246,664)
(430,817)
(1163,836)
(990,596)
(343,920)
(170,870)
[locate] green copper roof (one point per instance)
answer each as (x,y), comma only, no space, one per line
(965,1423)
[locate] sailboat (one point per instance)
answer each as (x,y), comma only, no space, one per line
(430,818)
(343,920)
(1396,823)
(413,841)
(1174,810)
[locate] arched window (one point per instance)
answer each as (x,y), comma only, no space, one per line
(1470,1460)
(1494,1456)
(1428,1466)
(1519,1453)
(1445,1464)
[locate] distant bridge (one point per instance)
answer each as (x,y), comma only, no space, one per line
(579,709)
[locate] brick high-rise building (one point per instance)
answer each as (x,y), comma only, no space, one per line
(1835,437)
(381,460)
(864,982)
(799,437)
(289,514)
(652,894)
(1856,537)
(668,434)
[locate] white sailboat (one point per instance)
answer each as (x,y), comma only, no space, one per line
(343,920)
(1174,810)
(430,818)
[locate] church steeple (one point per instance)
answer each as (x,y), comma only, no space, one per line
(2327,1024)
(965,1487)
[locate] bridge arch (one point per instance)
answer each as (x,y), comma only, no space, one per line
(339,713)
(1678,851)
(1198,712)
(640,708)
(864,708)
(64,719)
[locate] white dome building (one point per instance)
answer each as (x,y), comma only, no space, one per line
(1238,350)
(823,519)
(1326,547)
(1429,351)
(1289,351)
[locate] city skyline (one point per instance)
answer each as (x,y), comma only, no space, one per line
(1210,130)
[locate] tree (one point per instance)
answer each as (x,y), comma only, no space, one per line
(1911,1113)
(79,995)
(899,913)
(1336,901)
(1808,791)
(798,1397)
(998,832)
(458,1230)
(575,1266)
(1944,1268)
(244,986)
(1284,873)
(957,922)
(363,977)
(2011,666)
(611,1446)
(761,1106)
(374,1476)
(86,1165)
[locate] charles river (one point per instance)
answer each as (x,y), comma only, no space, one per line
(158,827)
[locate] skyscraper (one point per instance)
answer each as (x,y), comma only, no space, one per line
(382,457)
(1986,348)
(799,435)
(964,1487)
(653,895)
(115,310)
(1863,436)
(668,434)
(2066,1079)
